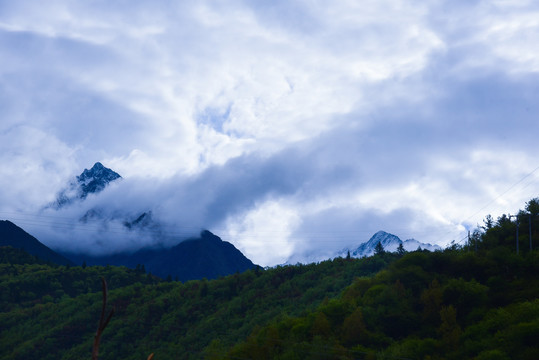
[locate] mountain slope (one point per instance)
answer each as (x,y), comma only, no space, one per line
(473,301)
(451,304)
(12,235)
(204,257)
(173,320)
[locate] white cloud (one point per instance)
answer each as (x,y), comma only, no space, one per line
(398,114)
(35,166)
(281,86)
(264,233)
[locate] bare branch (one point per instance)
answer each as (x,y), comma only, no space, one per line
(102,321)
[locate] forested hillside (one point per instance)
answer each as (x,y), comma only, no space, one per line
(52,312)
(12,235)
(477,300)
(449,305)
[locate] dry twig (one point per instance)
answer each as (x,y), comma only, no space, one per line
(103,322)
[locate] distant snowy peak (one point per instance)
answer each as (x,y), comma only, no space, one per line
(95,179)
(89,182)
(389,242)
(413,244)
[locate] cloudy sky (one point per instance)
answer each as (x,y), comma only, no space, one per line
(290,128)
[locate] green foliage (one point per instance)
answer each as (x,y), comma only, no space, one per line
(11,255)
(449,304)
(379,249)
(26,285)
(532,206)
(453,304)
(400,250)
(52,311)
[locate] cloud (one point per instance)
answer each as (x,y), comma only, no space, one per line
(34,165)
(309,118)
(280,86)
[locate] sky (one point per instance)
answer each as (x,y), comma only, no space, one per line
(292,129)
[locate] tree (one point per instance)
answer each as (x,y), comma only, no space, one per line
(379,249)
(353,328)
(503,220)
(489,223)
(449,329)
(400,250)
(321,325)
(532,206)
(432,299)
(140,269)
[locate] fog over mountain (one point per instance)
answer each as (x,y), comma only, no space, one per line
(287,128)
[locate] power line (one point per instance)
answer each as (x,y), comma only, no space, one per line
(497,198)
(502,194)
(117,226)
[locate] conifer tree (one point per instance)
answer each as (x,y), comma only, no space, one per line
(400,250)
(379,249)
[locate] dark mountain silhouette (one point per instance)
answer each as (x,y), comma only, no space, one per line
(204,257)
(14,236)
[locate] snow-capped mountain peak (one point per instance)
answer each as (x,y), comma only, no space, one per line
(389,242)
(95,179)
(90,181)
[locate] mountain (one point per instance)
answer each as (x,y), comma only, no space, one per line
(204,257)
(14,236)
(390,243)
(207,256)
(413,244)
(95,179)
(89,182)
(458,303)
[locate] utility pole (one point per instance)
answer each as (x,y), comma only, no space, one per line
(515,216)
(530,232)
(517,233)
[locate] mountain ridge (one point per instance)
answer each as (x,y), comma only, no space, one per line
(14,236)
(206,256)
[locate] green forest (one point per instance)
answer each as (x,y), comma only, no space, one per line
(473,300)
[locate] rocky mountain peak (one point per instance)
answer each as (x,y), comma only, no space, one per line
(90,181)
(95,179)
